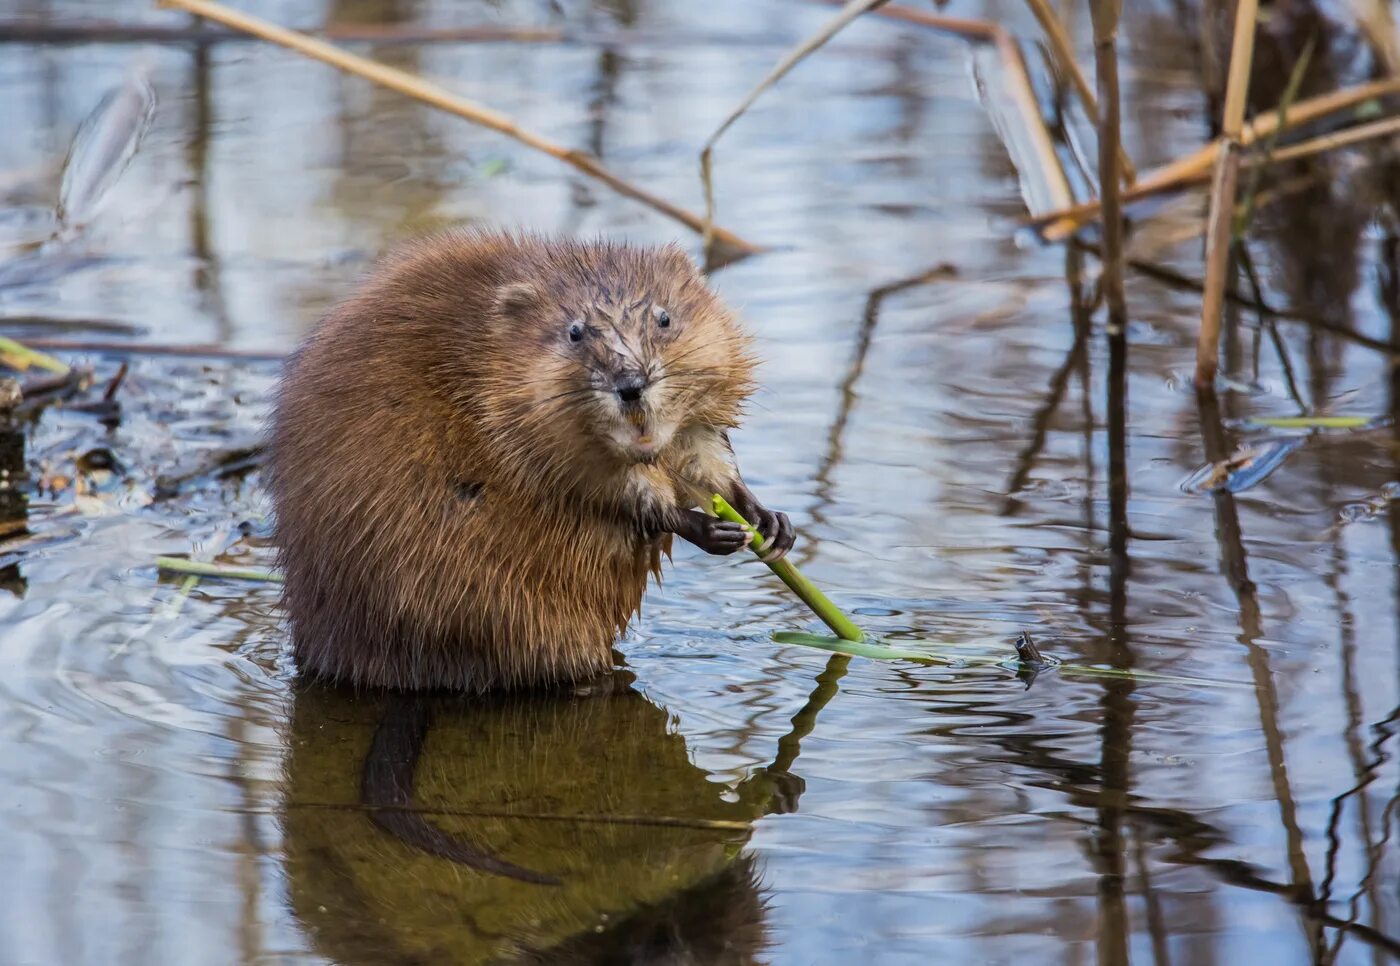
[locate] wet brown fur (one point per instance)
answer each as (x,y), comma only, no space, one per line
(451,512)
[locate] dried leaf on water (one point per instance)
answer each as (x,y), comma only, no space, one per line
(103,147)
(1247,467)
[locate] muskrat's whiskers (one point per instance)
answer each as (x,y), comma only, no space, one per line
(566,394)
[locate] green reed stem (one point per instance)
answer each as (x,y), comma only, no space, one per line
(179,565)
(829,613)
(20,356)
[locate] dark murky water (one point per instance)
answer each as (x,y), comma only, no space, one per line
(170,795)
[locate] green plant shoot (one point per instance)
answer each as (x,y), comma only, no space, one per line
(829,613)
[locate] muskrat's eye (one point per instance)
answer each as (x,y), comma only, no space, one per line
(663,318)
(575,331)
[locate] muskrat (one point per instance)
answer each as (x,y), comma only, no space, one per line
(478,459)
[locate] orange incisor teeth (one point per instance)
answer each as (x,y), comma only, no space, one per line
(638,419)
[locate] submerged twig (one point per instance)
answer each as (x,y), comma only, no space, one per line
(1220,226)
(411,86)
(222,463)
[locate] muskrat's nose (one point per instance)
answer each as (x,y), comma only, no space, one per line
(629,388)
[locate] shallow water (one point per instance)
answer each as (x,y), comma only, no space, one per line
(171,795)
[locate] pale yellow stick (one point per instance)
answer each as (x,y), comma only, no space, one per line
(1059,225)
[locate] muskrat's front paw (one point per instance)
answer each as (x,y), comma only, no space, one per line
(719,536)
(776,530)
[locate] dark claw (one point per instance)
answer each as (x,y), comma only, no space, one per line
(778,534)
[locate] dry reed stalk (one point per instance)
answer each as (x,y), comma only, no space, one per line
(1105,14)
(1376,18)
(421,90)
(1028,106)
(1220,222)
(75,31)
(965,27)
(1329,142)
(1063,52)
(1059,225)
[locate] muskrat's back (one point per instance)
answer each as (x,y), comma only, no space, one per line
(478,458)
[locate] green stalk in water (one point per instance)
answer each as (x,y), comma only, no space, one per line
(830,615)
(21,357)
(196,568)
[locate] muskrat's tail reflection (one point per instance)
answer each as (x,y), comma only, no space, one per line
(386,791)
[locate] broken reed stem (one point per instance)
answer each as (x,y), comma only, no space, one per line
(829,613)
(1028,106)
(1063,52)
(1059,225)
(1106,14)
(421,90)
(1220,223)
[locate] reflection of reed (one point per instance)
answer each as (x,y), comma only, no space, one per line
(1117,704)
(835,437)
(207,280)
(1234,563)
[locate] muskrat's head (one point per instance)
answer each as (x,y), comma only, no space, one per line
(626,347)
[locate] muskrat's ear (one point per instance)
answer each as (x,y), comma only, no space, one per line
(516,298)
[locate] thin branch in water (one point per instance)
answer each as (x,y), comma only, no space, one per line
(411,86)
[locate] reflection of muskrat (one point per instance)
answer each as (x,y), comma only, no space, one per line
(478,459)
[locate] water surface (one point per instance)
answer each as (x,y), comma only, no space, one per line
(946,447)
